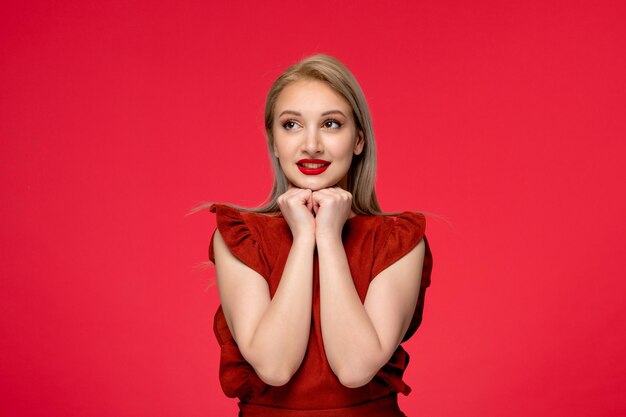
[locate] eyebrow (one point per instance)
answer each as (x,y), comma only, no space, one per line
(326,113)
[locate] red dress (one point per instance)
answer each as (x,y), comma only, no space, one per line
(372,243)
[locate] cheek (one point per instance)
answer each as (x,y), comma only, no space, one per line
(283,152)
(344,149)
(279,146)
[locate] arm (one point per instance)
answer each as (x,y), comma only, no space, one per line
(272,335)
(360,338)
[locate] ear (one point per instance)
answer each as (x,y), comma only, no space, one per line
(360,143)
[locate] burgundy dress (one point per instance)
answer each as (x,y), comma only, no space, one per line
(372,243)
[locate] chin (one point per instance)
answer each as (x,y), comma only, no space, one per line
(313,186)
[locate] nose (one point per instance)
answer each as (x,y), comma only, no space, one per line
(312,143)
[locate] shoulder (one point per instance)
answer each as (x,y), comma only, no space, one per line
(243,233)
(405,220)
(229,216)
(248,234)
(398,234)
(406,225)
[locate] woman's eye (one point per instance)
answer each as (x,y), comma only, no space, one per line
(290,124)
(332,124)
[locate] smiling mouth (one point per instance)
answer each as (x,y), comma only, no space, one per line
(313,166)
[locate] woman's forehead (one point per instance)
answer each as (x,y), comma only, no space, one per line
(310,97)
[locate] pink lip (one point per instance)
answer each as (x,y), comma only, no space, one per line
(312,171)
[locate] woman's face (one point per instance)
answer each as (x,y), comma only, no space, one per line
(315,135)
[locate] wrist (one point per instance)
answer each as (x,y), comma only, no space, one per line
(328,237)
(304,239)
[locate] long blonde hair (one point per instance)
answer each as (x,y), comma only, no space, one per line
(362,172)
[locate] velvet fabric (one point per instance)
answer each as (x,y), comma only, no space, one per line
(371,243)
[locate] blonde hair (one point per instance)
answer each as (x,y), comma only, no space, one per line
(362,172)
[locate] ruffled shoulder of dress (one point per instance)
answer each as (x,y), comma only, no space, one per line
(398,235)
(240,238)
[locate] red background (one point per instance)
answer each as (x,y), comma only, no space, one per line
(505,118)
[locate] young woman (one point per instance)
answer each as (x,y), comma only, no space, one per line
(318,288)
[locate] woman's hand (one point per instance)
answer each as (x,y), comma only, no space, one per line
(297,207)
(332,207)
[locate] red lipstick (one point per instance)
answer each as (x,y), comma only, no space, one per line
(312,171)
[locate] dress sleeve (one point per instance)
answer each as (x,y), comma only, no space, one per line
(240,238)
(399,235)
(237,377)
